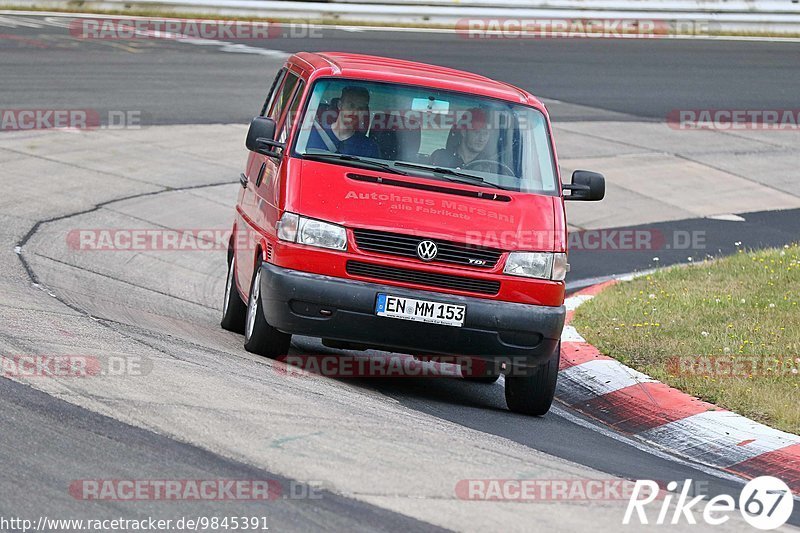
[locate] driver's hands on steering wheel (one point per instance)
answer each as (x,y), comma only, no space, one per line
(508,171)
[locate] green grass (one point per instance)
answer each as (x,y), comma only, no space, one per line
(741,312)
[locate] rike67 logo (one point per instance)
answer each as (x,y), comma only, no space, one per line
(765,503)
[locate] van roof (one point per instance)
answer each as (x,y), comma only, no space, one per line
(377,68)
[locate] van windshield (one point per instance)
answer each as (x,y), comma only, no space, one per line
(430,133)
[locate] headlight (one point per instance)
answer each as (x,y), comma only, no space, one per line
(560,267)
(295,228)
(287,227)
(542,265)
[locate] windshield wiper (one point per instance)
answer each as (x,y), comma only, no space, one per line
(353,159)
(470,178)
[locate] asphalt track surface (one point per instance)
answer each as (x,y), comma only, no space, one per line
(170,85)
(176,83)
(55,441)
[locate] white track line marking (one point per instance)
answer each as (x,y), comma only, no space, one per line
(719,438)
(729,217)
(224,46)
(570,334)
(597,378)
(573,302)
(648,448)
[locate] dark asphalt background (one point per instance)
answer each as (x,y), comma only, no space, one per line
(179,83)
(47,444)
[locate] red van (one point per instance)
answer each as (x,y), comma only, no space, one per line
(407,207)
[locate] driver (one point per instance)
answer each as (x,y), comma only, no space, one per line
(472,136)
(346,134)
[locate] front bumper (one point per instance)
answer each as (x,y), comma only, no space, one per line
(343,309)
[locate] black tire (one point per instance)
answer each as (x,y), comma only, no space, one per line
(532,392)
(259,337)
(479,371)
(234,310)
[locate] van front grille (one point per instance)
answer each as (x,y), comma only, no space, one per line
(419,277)
(406,245)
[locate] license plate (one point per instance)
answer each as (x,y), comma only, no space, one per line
(420,310)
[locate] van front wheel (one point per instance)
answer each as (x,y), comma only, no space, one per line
(532,392)
(259,336)
(233,308)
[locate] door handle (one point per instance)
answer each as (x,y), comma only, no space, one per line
(260,176)
(243,180)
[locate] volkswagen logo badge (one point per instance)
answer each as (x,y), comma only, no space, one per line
(427,250)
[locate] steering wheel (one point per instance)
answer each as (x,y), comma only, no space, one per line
(508,170)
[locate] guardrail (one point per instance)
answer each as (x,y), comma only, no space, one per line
(716,16)
(696,6)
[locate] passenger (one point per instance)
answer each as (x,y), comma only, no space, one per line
(472,137)
(346,135)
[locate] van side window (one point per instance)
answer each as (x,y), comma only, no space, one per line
(283,95)
(291,114)
(273,91)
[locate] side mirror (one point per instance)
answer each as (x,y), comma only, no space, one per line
(261,138)
(587,186)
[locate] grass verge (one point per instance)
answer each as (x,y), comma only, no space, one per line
(726,331)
